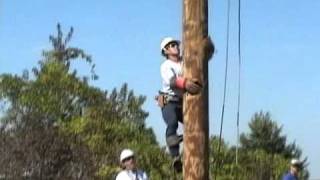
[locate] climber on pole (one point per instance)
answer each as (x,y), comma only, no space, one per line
(171,95)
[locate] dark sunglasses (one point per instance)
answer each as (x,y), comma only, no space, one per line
(172,45)
(128,158)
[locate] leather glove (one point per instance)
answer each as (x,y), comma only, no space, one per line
(192,86)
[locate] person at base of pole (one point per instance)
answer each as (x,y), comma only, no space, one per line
(129,167)
(295,167)
(170,98)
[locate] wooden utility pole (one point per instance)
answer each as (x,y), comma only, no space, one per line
(198,49)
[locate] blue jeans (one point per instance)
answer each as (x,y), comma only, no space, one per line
(172,115)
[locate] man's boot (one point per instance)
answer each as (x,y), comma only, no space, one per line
(177,164)
(174,140)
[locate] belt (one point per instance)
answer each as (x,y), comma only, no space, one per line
(170,98)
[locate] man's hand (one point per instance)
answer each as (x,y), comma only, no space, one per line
(192,86)
(209,47)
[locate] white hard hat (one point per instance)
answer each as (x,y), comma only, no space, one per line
(166,41)
(295,162)
(125,154)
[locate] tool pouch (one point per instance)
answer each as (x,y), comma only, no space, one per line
(161,100)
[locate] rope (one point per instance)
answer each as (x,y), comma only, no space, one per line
(225,84)
(239,78)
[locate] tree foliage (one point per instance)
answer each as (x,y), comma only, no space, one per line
(55,125)
(264,153)
(264,134)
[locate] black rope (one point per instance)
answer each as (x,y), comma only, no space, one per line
(225,84)
(239,78)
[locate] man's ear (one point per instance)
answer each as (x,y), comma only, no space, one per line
(122,166)
(165,51)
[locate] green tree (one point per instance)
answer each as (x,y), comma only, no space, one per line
(106,130)
(222,164)
(56,126)
(35,146)
(264,153)
(266,135)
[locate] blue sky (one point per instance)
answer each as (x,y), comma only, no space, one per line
(279,47)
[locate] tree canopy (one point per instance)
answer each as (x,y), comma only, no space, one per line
(55,125)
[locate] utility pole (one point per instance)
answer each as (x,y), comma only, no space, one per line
(198,49)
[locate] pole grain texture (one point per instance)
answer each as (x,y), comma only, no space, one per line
(197,51)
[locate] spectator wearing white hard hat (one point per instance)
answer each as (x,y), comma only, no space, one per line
(129,167)
(295,167)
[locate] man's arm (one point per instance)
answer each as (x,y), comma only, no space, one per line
(191,86)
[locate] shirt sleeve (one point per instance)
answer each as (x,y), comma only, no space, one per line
(287,177)
(166,73)
(120,176)
(145,177)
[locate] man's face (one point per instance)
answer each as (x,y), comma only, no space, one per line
(129,163)
(295,169)
(172,49)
